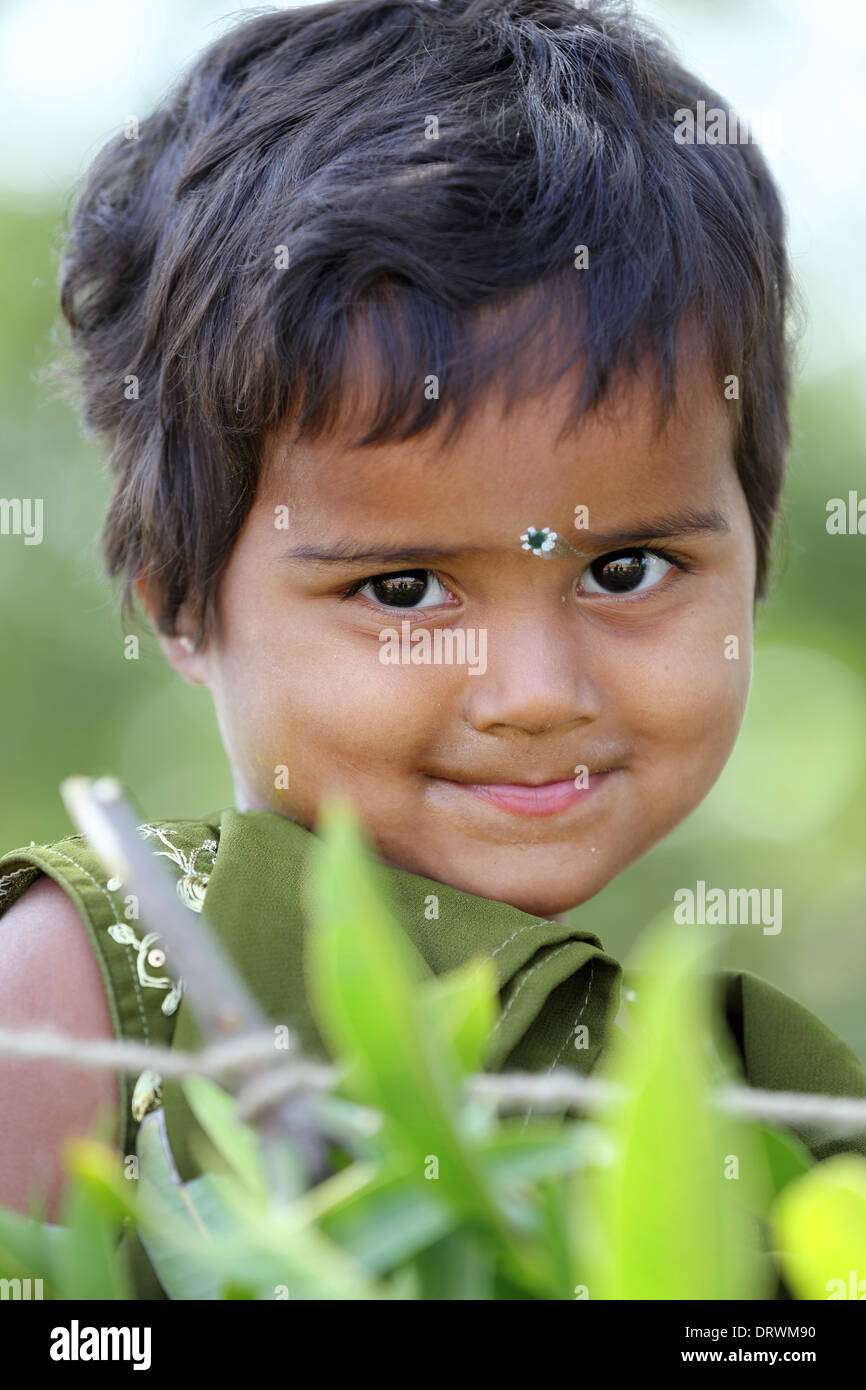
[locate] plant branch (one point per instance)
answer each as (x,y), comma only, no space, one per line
(504,1090)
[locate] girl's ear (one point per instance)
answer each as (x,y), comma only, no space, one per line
(179,649)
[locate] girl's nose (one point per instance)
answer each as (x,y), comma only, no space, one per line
(538,678)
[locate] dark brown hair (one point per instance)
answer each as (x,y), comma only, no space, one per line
(412,165)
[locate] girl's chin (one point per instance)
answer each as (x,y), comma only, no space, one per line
(524,900)
(555,913)
(541,893)
(551,908)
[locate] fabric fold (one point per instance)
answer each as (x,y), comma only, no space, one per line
(552,977)
(558,989)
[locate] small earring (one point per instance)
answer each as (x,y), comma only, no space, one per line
(187,643)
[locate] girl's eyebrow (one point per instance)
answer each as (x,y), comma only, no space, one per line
(347,552)
(682,523)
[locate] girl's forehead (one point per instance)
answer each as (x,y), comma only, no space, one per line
(506,464)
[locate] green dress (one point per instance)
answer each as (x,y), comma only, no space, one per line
(249,868)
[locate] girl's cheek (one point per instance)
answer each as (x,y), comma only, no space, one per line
(685,690)
(373,703)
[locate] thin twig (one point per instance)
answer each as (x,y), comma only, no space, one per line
(220,1000)
(504,1090)
(223,1005)
(220,1059)
(521,1089)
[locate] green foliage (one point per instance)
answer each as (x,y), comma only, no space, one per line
(820,1226)
(76,1259)
(403,1054)
(674,1209)
(216,1112)
(662,1196)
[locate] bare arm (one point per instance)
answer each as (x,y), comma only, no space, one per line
(49,977)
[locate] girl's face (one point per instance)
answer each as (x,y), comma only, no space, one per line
(635,668)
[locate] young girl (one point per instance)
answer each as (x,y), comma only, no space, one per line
(450,463)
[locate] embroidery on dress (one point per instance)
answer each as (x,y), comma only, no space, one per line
(150,957)
(192,885)
(191,888)
(149,954)
(146,1095)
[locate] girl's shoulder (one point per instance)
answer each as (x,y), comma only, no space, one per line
(190,845)
(142,996)
(786,1047)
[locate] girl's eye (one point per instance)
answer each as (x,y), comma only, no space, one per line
(414,589)
(624,572)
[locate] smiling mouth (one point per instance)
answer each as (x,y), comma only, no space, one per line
(533,799)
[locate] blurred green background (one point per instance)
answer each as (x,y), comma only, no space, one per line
(789,811)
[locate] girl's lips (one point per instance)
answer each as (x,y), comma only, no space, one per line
(525,800)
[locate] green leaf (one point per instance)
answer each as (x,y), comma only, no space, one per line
(179,1223)
(383,1216)
(458,1267)
(96,1195)
(95,1167)
(786,1157)
(560,1235)
(532,1170)
(388,1220)
(234,1291)
(362,976)
(86,1263)
(27,1247)
(216,1112)
(819,1222)
(460,1010)
(546,1150)
(211,1234)
(672,1216)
